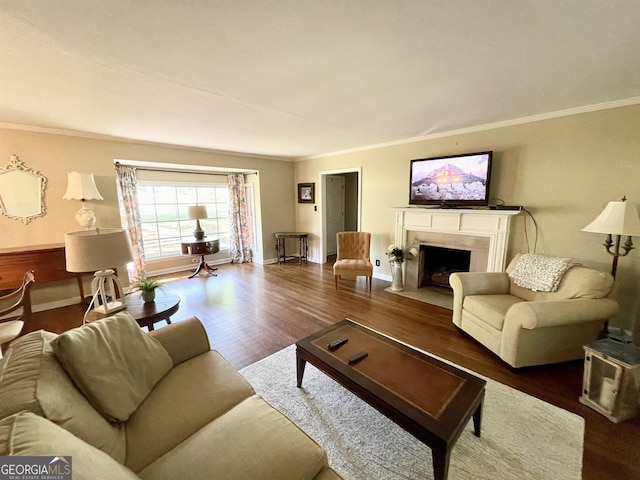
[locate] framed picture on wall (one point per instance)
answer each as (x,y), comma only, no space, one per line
(306,193)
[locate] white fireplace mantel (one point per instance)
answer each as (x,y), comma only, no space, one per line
(490,224)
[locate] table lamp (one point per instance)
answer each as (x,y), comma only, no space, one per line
(196,212)
(617,219)
(81,186)
(100,250)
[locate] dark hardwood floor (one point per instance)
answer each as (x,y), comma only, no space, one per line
(251,311)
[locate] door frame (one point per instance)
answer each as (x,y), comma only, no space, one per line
(323,204)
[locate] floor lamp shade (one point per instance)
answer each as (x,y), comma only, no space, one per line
(100,250)
(617,218)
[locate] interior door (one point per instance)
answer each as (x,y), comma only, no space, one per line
(335,210)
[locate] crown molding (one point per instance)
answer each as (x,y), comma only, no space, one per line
(111,138)
(489,126)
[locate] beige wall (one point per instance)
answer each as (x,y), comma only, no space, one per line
(563,170)
(53,155)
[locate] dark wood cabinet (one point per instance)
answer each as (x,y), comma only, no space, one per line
(47,262)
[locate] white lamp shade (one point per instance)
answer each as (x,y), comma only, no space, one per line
(196,212)
(81,186)
(618,218)
(91,250)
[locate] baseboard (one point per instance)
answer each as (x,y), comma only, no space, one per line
(41,307)
(271,261)
(382,276)
(182,268)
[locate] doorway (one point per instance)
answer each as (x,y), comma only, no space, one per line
(341,205)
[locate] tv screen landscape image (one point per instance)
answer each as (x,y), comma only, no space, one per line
(455,180)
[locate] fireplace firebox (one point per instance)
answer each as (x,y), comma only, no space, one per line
(438,263)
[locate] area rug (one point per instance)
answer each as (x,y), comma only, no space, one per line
(522,436)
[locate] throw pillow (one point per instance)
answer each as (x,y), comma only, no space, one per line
(27,434)
(31,378)
(113,363)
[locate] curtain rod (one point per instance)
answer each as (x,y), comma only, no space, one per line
(180,168)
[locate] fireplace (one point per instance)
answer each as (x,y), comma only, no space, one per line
(437,263)
(479,236)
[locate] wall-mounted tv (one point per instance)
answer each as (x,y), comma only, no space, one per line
(451,181)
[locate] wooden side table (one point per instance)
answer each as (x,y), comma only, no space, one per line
(146,313)
(611,380)
(201,248)
(303,246)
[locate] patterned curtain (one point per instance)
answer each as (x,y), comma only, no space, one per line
(130,216)
(240,241)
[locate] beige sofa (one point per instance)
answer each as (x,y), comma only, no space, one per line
(168,408)
(525,327)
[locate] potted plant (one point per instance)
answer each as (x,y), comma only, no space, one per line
(147,288)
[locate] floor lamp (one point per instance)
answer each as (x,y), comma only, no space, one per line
(100,250)
(617,220)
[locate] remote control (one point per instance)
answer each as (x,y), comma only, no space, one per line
(357,356)
(337,343)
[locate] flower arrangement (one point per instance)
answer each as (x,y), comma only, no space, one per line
(147,288)
(398,255)
(145,284)
(395,254)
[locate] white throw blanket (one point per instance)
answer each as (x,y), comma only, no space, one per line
(540,273)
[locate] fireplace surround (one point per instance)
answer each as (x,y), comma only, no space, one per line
(483,233)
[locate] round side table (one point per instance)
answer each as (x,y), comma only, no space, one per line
(146,313)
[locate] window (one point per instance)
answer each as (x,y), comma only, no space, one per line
(163,214)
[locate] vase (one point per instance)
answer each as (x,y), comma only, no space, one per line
(149,296)
(396,277)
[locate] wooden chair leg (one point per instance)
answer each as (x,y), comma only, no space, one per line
(335,277)
(369,278)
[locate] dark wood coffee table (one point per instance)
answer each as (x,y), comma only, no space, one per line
(146,313)
(428,398)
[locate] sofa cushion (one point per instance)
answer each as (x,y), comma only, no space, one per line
(113,363)
(26,434)
(190,396)
(252,440)
(31,378)
(490,308)
(351,266)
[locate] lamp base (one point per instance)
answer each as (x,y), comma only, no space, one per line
(107,288)
(198,233)
(86,218)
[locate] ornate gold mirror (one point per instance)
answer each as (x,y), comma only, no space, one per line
(21,191)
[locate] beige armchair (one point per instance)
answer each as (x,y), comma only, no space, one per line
(353,256)
(525,327)
(15,310)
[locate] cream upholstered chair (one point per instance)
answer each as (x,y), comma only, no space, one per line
(525,327)
(15,310)
(353,256)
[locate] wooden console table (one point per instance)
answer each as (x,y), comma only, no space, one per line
(47,262)
(201,248)
(303,246)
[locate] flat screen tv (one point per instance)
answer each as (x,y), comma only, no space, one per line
(451,181)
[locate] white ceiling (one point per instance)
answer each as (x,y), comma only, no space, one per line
(300,78)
